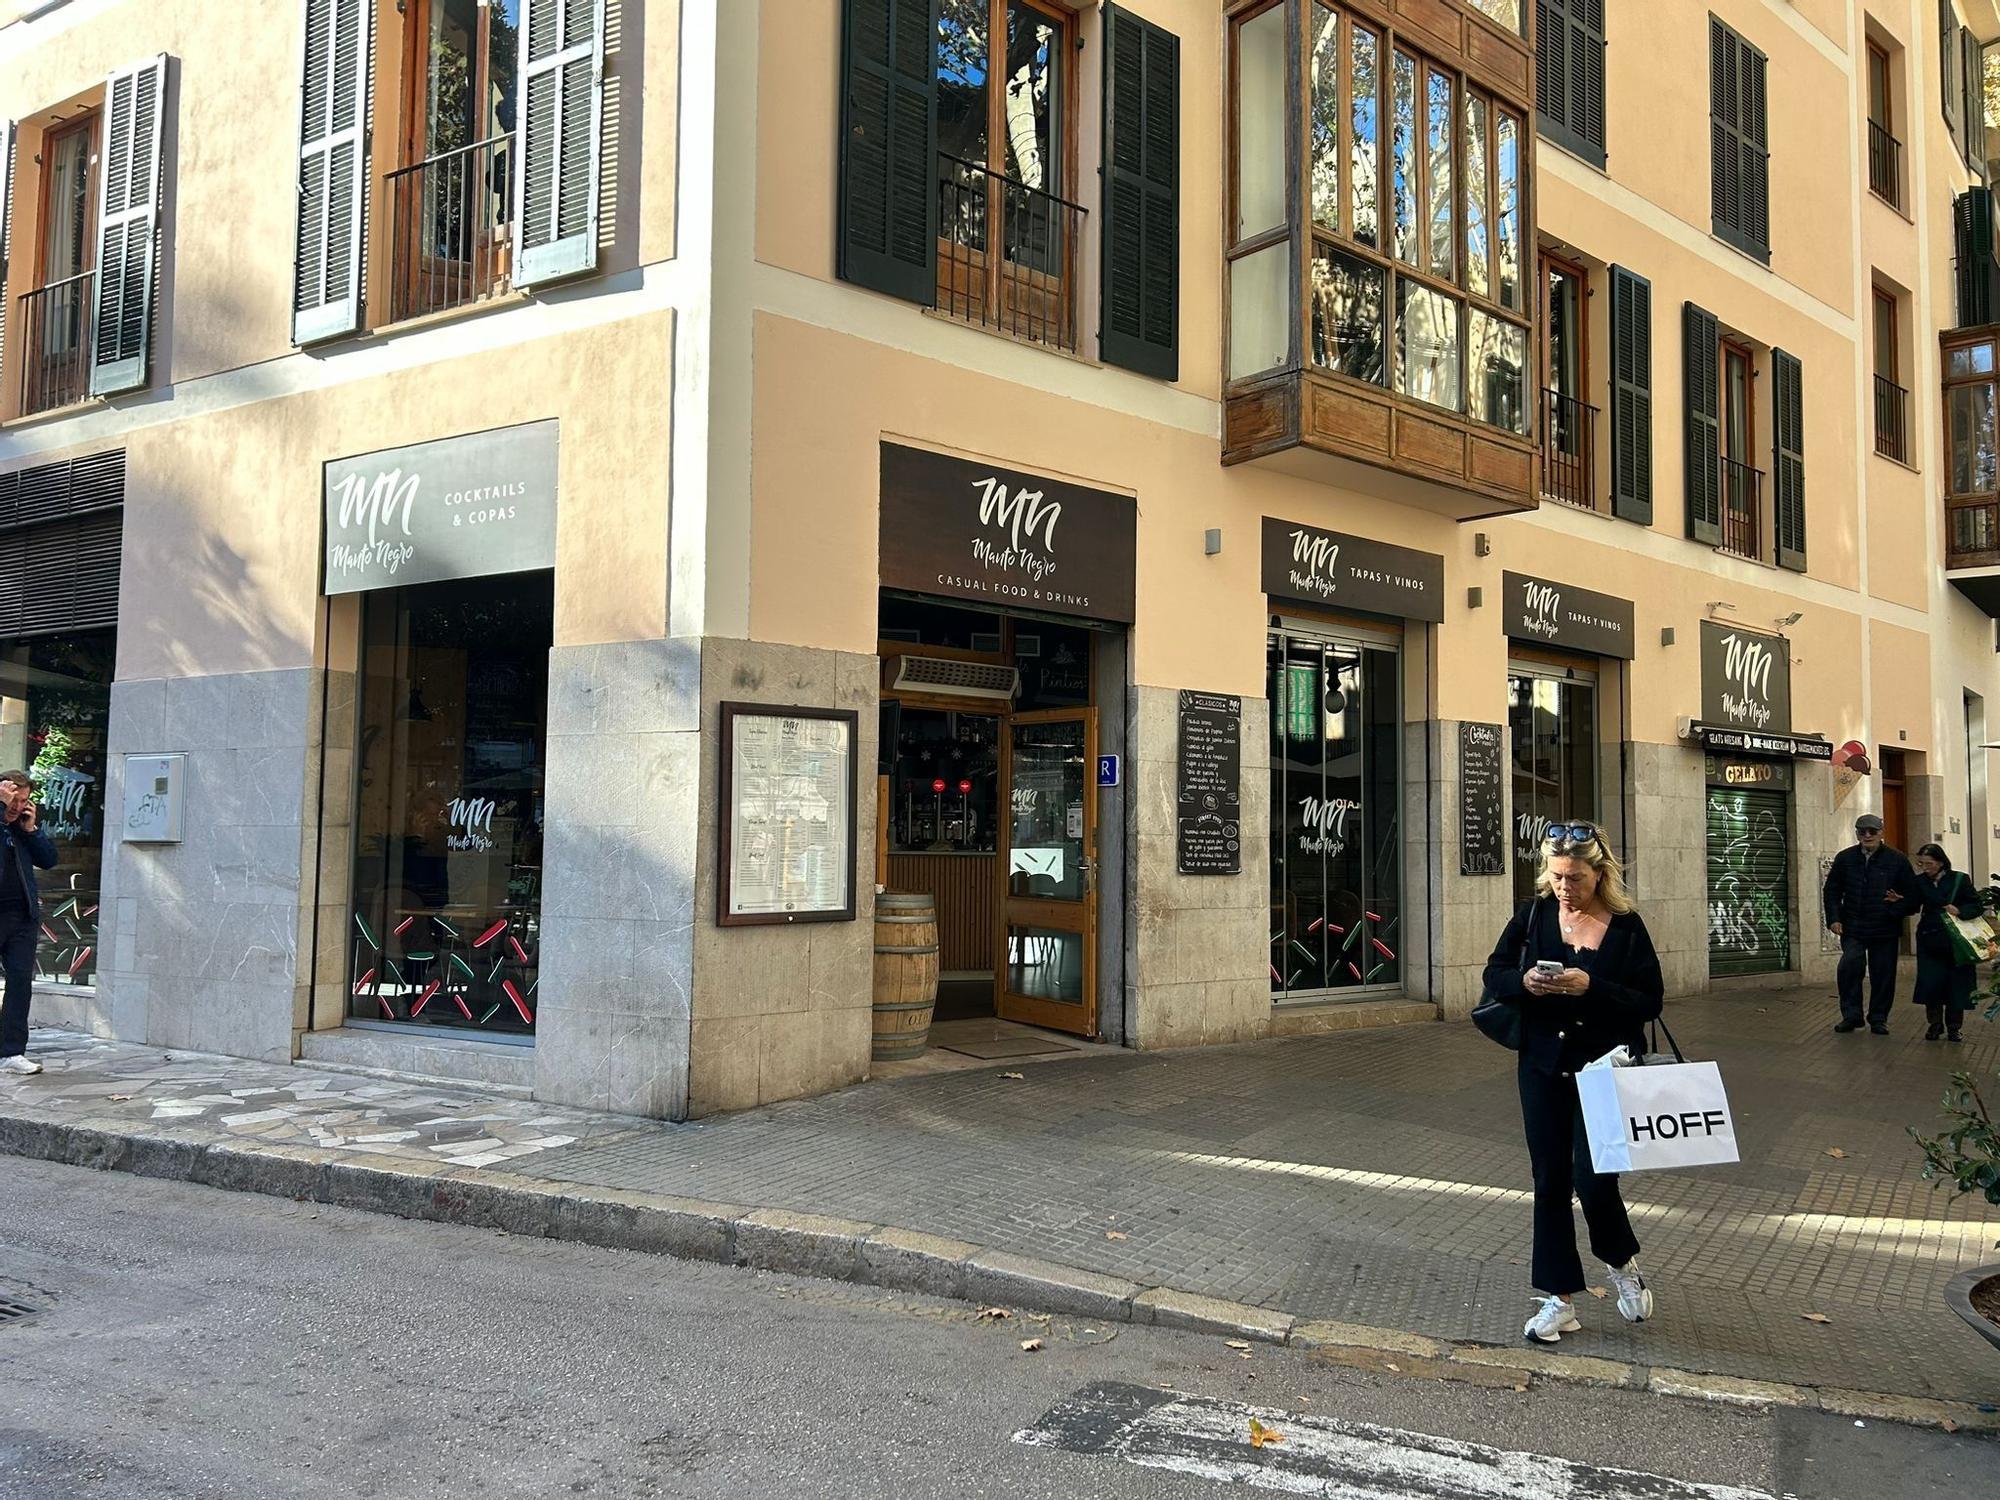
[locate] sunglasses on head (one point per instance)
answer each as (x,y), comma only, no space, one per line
(1564,836)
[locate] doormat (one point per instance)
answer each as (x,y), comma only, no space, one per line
(991,1049)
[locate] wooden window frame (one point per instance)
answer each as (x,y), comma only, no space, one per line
(1878,300)
(1546,262)
(415,145)
(90,121)
(1878,55)
(1744,352)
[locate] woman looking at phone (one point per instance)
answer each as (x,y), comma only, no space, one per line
(1578,961)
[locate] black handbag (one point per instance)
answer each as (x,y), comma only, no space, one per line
(1498,1019)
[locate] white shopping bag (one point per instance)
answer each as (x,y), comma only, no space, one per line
(1656,1117)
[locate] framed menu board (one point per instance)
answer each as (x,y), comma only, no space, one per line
(787,810)
(1482,825)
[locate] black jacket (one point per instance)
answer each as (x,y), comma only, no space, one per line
(1951,891)
(1560,1033)
(29,852)
(1856,886)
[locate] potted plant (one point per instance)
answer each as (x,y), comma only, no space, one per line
(1967,1155)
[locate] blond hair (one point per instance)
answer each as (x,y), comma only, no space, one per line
(1610,873)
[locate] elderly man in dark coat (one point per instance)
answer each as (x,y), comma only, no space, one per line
(1871,891)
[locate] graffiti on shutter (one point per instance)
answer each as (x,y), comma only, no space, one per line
(1749,883)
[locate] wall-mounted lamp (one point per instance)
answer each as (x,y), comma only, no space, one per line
(1719,604)
(1482,544)
(1211,540)
(1791,619)
(1475,598)
(1666,635)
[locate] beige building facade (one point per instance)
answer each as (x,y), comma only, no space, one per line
(533,511)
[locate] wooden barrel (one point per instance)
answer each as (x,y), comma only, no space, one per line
(906,973)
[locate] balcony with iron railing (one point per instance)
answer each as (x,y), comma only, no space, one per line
(452,229)
(1007,255)
(56,332)
(1892,408)
(1971,469)
(1569,450)
(1742,510)
(1885,165)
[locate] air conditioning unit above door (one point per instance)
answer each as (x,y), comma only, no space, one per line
(948,677)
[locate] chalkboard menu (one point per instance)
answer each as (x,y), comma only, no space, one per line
(1210,784)
(1482,817)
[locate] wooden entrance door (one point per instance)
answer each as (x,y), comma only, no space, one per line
(1895,807)
(1045,963)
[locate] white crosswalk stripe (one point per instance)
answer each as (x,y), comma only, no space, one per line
(1326,1457)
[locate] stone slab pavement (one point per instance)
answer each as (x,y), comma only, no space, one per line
(1373,1178)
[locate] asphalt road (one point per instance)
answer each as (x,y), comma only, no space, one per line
(193,1343)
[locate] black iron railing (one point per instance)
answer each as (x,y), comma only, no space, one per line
(1007,254)
(1885,164)
(1892,407)
(452,226)
(1742,509)
(55,343)
(1569,449)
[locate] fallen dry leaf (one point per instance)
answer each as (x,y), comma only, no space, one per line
(1948,1425)
(1236,1343)
(1816,1317)
(1600,1292)
(1030,1346)
(1520,1387)
(120,1098)
(1242,1356)
(992,1314)
(1397,1368)
(1836,1153)
(1013,1075)
(1260,1434)
(1116,1234)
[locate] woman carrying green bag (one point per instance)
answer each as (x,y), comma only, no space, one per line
(1945,979)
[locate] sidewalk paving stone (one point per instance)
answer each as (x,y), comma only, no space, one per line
(1362,1180)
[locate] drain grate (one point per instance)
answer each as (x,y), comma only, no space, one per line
(13,1307)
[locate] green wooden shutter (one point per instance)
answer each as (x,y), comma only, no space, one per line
(559,106)
(1972,112)
(888,148)
(1701,352)
(1949,60)
(1141,240)
(1569,75)
(1631,396)
(128,227)
(1754,174)
(1739,158)
(334,99)
(1788,464)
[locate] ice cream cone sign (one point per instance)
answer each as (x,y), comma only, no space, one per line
(1850,764)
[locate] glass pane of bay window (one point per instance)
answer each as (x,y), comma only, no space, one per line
(1971,359)
(961,79)
(1347,310)
(1443,221)
(1497,361)
(1478,246)
(1975,453)
(1260,311)
(1033,85)
(1260,124)
(1403,159)
(1364,122)
(1507,153)
(1427,345)
(1325,116)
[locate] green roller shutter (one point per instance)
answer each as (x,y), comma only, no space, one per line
(1749,882)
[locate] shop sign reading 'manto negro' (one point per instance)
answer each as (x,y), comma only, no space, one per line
(1746,679)
(460,507)
(1565,616)
(1336,571)
(1000,538)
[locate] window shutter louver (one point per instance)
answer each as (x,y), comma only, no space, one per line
(1631,396)
(61,526)
(1972,104)
(1788,464)
(1723,155)
(1701,354)
(6,214)
(1949,60)
(1569,75)
(128,227)
(1754,177)
(559,113)
(1140,243)
(335,97)
(888,148)
(1739,159)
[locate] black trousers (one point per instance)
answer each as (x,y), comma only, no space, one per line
(1560,1153)
(18,932)
(1878,956)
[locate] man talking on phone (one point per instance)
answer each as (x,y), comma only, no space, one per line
(24,849)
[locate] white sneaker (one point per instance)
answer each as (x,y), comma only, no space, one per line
(20,1065)
(1551,1321)
(1635,1298)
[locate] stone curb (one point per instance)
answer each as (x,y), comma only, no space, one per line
(903,1260)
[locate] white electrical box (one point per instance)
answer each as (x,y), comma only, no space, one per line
(155,794)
